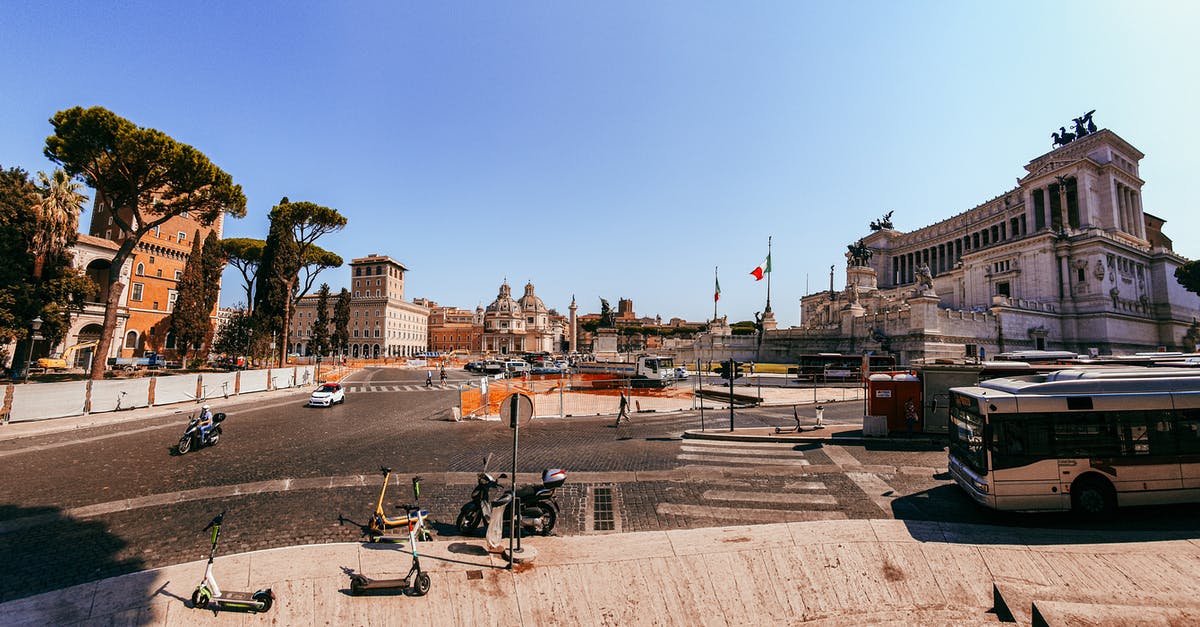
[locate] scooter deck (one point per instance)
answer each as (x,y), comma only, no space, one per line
(234,597)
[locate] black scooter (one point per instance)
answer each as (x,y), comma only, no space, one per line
(537,506)
(416,583)
(193,438)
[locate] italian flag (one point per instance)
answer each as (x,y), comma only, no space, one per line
(717,294)
(763,269)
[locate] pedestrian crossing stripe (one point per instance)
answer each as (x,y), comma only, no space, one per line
(398,388)
(761,461)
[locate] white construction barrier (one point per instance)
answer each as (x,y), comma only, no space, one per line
(174,389)
(218,384)
(306,376)
(120,394)
(254,381)
(48,400)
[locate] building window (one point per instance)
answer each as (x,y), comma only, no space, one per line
(151,260)
(178,274)
(356,293)
(172,296)
(158,273)
(155,305)
(170,342)
(1002,289)
(376,293)
(107,233)
(141,269)
(136,292)
(156,231)
(131,339)
(356,333)
(358,272)
(182,236)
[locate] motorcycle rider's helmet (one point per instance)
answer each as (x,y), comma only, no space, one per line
(205,408)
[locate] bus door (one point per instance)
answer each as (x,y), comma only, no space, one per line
(1187,436)
(1132,442)
(1027,474)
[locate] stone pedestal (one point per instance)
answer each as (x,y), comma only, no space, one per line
(923,315)
(863,277)
(768,321)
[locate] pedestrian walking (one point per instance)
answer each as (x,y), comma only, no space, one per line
(623,413)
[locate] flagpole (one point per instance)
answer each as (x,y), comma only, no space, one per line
(768,309)
(717,293)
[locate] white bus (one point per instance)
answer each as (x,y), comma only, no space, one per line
(1088,440)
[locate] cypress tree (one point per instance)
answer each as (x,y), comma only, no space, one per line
(318,342)
(341,322)
(189,319)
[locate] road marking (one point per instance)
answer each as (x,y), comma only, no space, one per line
(877,490)
(770,497)
(689,448)
(804,485)
(125,432)
(746,514)
(770,461)
(781,446)
(839,455)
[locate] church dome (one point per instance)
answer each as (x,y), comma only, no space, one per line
(530,303)
(504,303)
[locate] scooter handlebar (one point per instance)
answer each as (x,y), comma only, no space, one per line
(216,521)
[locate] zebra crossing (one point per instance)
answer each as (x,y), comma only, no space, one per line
(799,498)
(416,387)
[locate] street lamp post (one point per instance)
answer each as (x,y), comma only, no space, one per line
(35,324)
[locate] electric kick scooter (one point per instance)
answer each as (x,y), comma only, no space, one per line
(416,583)
(208,593)
(380,524)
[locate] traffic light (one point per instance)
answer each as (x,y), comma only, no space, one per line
(738,369)
(722,369)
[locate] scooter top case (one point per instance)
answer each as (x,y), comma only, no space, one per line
(553,477)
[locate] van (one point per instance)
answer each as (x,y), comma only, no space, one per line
(516,368)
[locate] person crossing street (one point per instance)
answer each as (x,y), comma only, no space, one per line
(623,413)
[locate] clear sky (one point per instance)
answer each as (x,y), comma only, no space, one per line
(617,149)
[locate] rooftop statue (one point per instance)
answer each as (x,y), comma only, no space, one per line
(883,223)
(858,254)
(1083,126)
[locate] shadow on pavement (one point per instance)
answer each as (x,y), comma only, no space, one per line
(58,552)
(923,512)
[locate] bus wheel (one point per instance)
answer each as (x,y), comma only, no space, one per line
(1094,498)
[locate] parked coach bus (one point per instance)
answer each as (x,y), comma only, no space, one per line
(1087,440)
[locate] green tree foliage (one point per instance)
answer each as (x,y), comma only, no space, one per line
(745,327)
(145,176)
(245,253)
(305,222)
(238,336)
(1188,276)
(190,318)
(341,322)
(37,225)
(276,273)
(318,342)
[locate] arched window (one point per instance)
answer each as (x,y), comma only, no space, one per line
(141,269)
(131,339)
(170,341)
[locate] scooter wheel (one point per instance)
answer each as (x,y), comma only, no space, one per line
(199,599)
(468,519)
(549,517)
(421,585)
(357,585)
(185,444)
(264,600)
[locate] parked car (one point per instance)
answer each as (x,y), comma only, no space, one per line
(516,368)
(327,395)
(492,367)
(474,366)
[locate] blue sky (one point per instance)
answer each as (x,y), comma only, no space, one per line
(617,149)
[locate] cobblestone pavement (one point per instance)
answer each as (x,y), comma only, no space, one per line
(103,501)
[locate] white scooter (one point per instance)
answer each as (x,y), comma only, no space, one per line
(209,593)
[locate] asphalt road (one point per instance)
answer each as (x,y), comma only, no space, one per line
(98,502)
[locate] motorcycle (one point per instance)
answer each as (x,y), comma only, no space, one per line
(537,506)
(193,437)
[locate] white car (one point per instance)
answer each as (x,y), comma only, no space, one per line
(327,395)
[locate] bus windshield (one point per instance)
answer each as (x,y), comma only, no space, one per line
(966,432)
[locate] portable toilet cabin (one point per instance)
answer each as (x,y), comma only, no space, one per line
(898,398)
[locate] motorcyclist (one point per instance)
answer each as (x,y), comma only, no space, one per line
(206,421)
